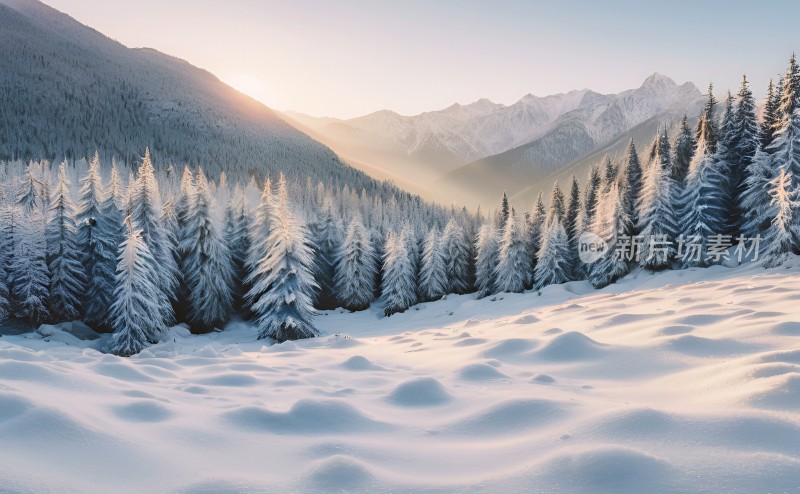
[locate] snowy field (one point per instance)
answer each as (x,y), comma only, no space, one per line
(684,381)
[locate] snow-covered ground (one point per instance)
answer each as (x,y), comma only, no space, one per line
(684,381)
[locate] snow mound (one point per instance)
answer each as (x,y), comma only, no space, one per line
(509,348)
(421,392)
(571,346)
(480,372)
(307,416)
(360,363)
(510,417)
(340,474)
(142,411)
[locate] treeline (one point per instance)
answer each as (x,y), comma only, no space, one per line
(137,255)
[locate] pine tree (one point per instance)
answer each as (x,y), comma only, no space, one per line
(745,142)
(770,120)
(657,220)
(705,207)
(137,313)
(67,275)
(29,273)
(782,235)
(236,237)
(513,271)
(609,173)
(398,287)
(504,209)
(145,213)
(98,243)
(573,210)
(116,191)
(456,257)
(557,209)
(593,182)
(487,258)
(553,265)
(632,185)
(259,234)
(208,270)
(755,202)
(706,128)
(327,238)
(536,228)
(610,221)
(785,148)
(30,196)
(684,152)
(355,268)
(283,285)
(433,273)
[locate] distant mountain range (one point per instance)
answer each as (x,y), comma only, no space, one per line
(67,90)
(472,153)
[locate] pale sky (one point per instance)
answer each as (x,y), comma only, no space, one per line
(346,58)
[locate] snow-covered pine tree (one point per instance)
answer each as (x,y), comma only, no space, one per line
(535,229)
(513,270)
(98,243)
(398,286)
(31,279)
(10,217)
(67,275)
(137,312)
(770,116)
(783,235)
(355,268)
(553,266)
(610,221)
(487,257)
(785,148)
(684,152)
(116,191)
(573,210)
(433,274)
(704,209)
(504,209)
(745,140)
(260,230)
(327,239)
(208,271)
(283,284)
(609,173)
(593,182)
(632,185)
(456,257)
(557,208)
(657,216)
(145,213)
(755,201)
(236,237)
(30,195)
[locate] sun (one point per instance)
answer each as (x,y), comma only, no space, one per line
(250,85)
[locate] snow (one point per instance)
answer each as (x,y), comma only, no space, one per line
(681,381)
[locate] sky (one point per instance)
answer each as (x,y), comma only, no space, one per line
(346,58)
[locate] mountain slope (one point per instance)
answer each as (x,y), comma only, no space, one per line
(573,135)
(66,90)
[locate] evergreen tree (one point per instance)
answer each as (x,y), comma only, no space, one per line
(593,182)
(29,273)
(487,258)
(207,263)
(433,273)
(782,235)
(744,142)
(67,275)
(236,237)
(137,313)
(770,120)
(706,128)
(30,196)
(513,271)
(327,238)
(98,243)
(283,285)
(573,210)
(504,209)
(557,208)
(657,220)
(553,266)
(145,213)
(536,228)
(259,234)
(399,288)
(684,152)
(610,221)
(456,257)
(785,148)
(755,202)
(116,191)
(632,185)
(355,268)
(609,173)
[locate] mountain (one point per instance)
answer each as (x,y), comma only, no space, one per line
(470,153)
(66,90)
(577,133)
